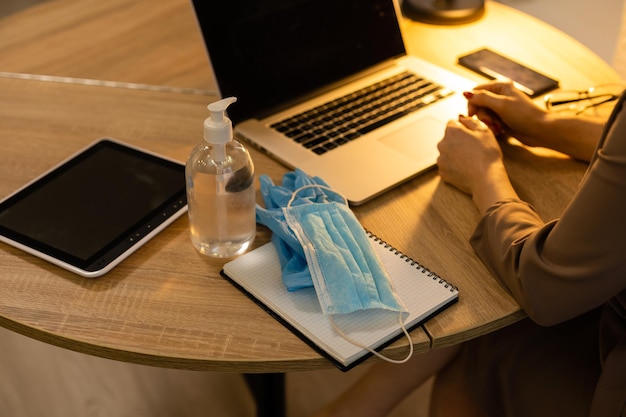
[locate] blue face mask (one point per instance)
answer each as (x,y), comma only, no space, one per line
(345,270)
(321,243)
(295,271)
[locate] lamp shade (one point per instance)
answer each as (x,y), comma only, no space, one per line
(443,12)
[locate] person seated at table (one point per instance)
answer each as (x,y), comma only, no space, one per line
(568,358)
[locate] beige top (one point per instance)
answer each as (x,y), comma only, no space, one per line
(561,269)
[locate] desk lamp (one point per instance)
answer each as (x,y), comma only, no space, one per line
(443,12)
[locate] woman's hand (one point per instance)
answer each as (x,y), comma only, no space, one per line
(471,159)
(507,110)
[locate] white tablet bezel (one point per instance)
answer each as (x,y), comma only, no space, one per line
(121,247)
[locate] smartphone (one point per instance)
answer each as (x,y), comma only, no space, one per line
(498,67)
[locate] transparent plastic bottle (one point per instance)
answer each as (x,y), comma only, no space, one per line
(220,189)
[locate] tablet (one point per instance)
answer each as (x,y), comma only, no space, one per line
(93,210)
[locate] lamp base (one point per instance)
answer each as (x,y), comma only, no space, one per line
(443,12)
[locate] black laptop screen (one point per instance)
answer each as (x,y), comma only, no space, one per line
(268,53)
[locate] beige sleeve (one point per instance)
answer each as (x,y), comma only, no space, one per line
(560,269)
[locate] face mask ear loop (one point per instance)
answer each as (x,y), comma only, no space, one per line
(293,196)
(341,333)
(372,351)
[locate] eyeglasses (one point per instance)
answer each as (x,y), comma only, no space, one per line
(581,101)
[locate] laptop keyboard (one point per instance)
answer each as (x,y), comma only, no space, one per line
(347,118)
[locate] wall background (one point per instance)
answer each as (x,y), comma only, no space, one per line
(596,24)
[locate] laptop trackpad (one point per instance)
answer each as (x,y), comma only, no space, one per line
(416,140)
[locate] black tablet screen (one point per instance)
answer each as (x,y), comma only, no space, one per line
(96,206)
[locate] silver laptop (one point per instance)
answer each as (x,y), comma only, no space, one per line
(326,86)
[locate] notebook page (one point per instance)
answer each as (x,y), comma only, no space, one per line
(258,272)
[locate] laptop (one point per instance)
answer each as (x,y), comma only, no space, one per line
(327,86)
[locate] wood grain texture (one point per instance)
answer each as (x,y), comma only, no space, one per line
(167,305)
(136,41)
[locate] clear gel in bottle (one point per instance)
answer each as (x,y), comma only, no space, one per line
(220,189)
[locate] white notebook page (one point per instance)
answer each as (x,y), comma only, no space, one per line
(422,292)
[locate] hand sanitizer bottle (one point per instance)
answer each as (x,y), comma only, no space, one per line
(220,189)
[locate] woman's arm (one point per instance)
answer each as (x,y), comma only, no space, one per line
(559,270)
(576,136)
(508,110)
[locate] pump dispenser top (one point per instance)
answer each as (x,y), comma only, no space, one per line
(218,128)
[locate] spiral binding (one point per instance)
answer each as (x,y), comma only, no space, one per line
(413,262)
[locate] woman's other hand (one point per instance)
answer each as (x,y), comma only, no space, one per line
(471,159)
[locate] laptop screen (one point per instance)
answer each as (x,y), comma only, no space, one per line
(271,53)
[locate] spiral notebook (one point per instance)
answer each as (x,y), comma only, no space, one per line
(424,293)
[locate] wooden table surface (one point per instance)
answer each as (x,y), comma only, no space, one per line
(167,305)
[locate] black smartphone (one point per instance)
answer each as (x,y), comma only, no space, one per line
(496,66)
